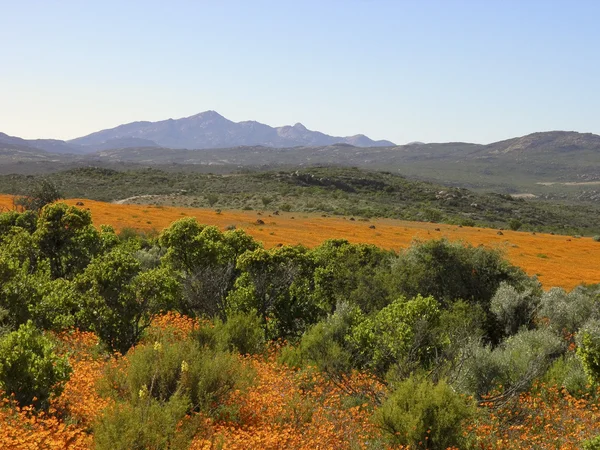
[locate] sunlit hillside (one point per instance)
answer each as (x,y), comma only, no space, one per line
(557,260)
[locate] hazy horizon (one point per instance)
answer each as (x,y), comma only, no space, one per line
(432,71)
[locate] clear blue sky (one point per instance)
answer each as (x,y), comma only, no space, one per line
(433,71)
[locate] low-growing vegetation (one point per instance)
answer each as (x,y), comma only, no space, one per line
(201,338)
(324,190)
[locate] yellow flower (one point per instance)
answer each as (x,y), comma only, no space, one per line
(143,392)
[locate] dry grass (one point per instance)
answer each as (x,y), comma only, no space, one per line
(564,261)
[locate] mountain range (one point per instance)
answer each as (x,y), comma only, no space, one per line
(558,161)
(208,129)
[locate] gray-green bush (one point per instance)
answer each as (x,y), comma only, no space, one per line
(567,312)
(514,309)
(514,364)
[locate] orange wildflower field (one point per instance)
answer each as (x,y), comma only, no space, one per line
(557,260)
(286,409)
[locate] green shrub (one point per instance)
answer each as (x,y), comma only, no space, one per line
(567,312)
(26,220)
(588,350)
(147,424)
(57,308)
(591,444)
(596,238)
(513,365)
(350,272)
(449,271)
(119,300)
(514,224)
(419,413)
(401,334)
(467,222)
(567,372)
(212,199)
(277,284)
(20,289)
(164,369)
(150,258)
(42,192)
(4,326)
(241,332)
(29,367)
(514,309)
(325,344)
(66,236)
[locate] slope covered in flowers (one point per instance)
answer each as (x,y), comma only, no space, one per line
(287,409)
(557,260)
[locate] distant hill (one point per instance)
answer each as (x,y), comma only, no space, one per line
(553,164)
(47,145)
(211,130)
(554,154)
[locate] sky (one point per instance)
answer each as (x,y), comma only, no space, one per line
(433,71)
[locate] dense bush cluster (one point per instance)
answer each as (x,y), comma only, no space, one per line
(438,323)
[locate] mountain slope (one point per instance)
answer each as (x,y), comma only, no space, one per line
(47,145)
(211,130)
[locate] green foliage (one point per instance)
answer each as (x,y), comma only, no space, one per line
(527,355)
(41,193)
(458,327)
(514,309)
(207,258)
(30,368)
(150,258)
(57,307)
(212,199)
(350,272)
(596,238)
(4,326)
(241,332)
(23,278)
(20,246)
(452,270)
(118,300)
(169,368)
(515,224)
(567,312)
(108,238)
(148,424)
(591,444)
(449,271)
(66,237)
(400,334)
(567,372)
(26,220)
(276,284)
(421,414)
(325,344)
(513,365)
(588,350)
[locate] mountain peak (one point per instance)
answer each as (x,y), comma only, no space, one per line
(209,129)
(210,114)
